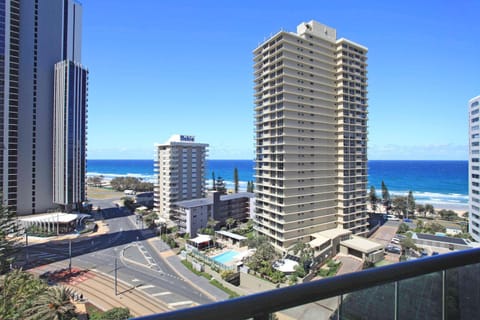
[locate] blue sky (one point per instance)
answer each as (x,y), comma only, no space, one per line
(163,67)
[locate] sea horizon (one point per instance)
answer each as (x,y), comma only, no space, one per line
(443,183)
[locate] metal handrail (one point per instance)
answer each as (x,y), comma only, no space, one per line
(259,305)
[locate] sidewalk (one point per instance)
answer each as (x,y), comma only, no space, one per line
(198,282)
(98,289)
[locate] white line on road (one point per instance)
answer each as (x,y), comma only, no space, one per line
(135,280)
(180,303)
(146,287)
(161,293)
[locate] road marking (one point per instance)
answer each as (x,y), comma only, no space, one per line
(180,303)
(161,293)
(135,280)
(146,287)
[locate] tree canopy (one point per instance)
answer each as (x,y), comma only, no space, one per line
(235,179)
(220,186)
(8,234)
(372,198)
(130,183)
(410,203)
(385,195)
(250,186)
(24,296)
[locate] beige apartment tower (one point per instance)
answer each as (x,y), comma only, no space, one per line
(180,173)
(311,134)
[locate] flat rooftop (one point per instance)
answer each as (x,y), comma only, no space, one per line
(362,244)
(431,237)
(60,217)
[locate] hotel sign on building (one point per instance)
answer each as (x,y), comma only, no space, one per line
(187,138)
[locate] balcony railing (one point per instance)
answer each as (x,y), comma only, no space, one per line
(438,287)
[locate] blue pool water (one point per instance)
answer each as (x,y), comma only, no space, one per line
(225,257)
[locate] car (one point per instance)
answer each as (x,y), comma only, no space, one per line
(391,217)
(435,253)
(393,249)
(395,240)
(407,220)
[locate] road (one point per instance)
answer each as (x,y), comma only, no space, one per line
(139,264)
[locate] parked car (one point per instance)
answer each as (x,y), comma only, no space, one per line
(395,240)
(393,249)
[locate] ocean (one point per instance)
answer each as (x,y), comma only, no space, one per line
(440,183)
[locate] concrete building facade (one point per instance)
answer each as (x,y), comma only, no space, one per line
(474,168)
(180,170)
(36,35)
(191,215)
(311,134)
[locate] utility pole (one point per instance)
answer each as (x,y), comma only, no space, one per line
(26,246)
(58,224)
(115,276)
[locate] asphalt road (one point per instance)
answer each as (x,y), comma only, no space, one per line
(138,263)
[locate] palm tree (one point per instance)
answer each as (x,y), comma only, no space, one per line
(54,304)
(18,292)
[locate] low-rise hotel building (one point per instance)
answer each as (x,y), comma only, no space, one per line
(194,214)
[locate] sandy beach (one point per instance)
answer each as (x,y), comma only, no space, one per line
(458,208)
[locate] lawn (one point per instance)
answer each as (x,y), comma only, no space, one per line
(103,193)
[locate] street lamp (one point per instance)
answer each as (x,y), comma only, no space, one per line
(115,276)
(26,245)
(70,256)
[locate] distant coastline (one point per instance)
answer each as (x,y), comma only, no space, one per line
(443,183)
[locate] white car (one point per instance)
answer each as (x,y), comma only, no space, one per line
(395,241)
(391,217)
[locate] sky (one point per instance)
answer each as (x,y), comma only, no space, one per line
(158,68)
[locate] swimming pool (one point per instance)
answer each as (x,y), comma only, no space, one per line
(225,257)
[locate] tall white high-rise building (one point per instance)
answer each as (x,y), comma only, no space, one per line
(474,168)
(311,134)
(36,34)
(180,172)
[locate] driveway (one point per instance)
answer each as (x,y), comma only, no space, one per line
(385,233)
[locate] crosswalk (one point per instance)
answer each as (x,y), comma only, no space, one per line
(172,300)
